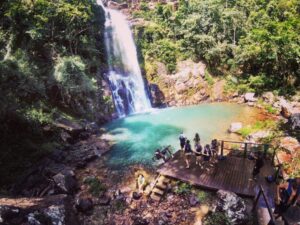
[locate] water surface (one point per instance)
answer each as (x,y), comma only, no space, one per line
(136,137)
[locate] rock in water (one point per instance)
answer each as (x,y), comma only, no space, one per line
(234,127)
(233,206)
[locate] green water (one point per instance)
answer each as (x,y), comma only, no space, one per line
(136,137)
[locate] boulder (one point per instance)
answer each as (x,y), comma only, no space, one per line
(234,127)
(69,126)
(66,181)
(180,87)
(54,210)
(11,214)
(193,200)
(289,144)
(249,97)
(268,97)
(115,5)
(136,195)
(84,204)
(254,137)
(233,206)
(286,108)
(140,221)
(104,200)
(294,121)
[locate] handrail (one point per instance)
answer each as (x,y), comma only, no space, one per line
(262,192)
(246,144)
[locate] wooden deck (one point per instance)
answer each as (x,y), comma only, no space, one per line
(232,174)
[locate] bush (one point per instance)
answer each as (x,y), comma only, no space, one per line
(217,218)
(203,196)
(96,188)
(183,189)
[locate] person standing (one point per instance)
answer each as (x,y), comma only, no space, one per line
(187,153)
(198,153)
(196,140)
(182,140)
(259,163)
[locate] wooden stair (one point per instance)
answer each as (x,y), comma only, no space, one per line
(159,188)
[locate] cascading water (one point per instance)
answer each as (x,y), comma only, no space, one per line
(124,74)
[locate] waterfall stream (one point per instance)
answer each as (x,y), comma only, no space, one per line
(125,78)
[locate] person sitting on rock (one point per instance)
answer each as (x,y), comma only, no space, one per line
(198,153)
(196,140)
(187,153)
(287,194)
(182,140)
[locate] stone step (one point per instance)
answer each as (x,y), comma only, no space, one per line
(155,197)
(158,191)
(161,186)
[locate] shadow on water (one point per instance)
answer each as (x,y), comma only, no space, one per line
(136,144)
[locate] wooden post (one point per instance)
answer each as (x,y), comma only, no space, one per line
(273,158)
(222,148)
(256,200)
(245,150)
(266,147)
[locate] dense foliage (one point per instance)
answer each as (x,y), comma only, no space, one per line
(257,42)
(51,53)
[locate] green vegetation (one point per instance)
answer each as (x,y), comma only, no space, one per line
(216,218)
(50,54)
(203,196)
(257,42)
(259,125)
(183,188)
(96,188)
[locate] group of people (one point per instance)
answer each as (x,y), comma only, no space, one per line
(203,154)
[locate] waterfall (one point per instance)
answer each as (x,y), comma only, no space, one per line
(125,78)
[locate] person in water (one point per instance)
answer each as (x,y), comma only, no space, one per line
(198,153)
(259,163)
(287,194)
(182,140)
(187,153)
(196,140)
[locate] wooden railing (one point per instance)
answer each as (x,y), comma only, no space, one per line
(245,147)
(262,193)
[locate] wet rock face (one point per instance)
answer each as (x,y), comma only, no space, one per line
(157,95)
(233,206)
(294,121)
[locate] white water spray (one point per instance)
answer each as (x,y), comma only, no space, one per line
(124,74)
